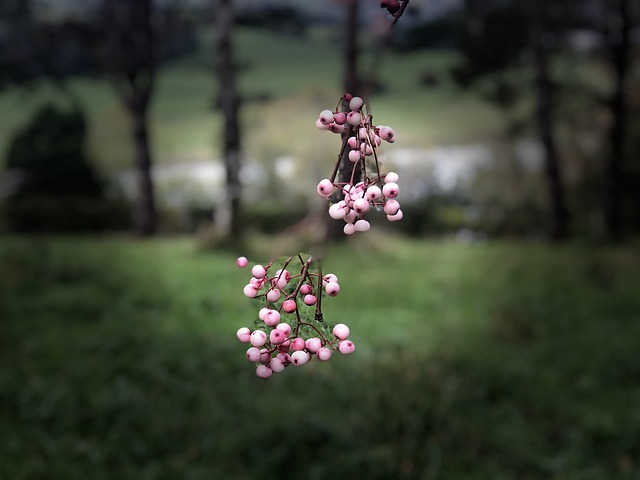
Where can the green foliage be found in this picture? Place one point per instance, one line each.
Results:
(118, 359)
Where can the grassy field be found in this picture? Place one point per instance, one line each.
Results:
(118, 359)
(294, 77)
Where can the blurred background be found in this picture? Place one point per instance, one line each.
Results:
(145, 144)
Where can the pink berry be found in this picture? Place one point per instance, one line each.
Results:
(253, 354)
(276, 365)
(354, 118)
(373, 193)
(273, 295)
(329, 277)
(258, 338)
(289, 306)
(391, 177)
(353, 143)
(396, 217)
(262, 313)
(242, 262)
(337, 211)
(324, 354)
(310, 299)
(350, 217)
(284, 327)
(313, 344)
(258, 271)
(341, 331)
(391, 207)
(243, 334)
(282, 278)
(366, 149)
(284, 346)
(361, 206)
(355, 193)
(386, 133)
(257, 283)
(335, 128)
(326, 117)
(277, 336)
(346, 347)
(306, 289)
(263, 371)
(284, 357)
(321, 126)
(392, 6)
(284, 274)
(297, 344)
(265, 356)
(250, 291)
(362, 225)
(340, 118)
(354, 155)
(349, 229)
(347, 97)
(272, 318)
(325, 187)
(332, 289)
(391, 190)
(356, 103)
(300, 357)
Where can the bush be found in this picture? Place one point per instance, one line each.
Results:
(57, 188)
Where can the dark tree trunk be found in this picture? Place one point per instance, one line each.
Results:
(352, 84)
(145, 211)
(544, 121)
(229, 105)
(619, 40)
(351, 51)
(129, 57)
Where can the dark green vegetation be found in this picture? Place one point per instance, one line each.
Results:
(118, 359)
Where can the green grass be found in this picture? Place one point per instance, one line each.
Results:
(298, 76)
(118, 359)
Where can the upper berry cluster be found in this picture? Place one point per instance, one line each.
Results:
(366, 187)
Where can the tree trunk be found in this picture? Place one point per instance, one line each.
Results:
(129, 55)
(351, 76)
(352, 85)
(544, 121)
(620, 48)
(229, 219)
(144, 220)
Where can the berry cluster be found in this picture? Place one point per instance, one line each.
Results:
(365, 187)
(290, 328)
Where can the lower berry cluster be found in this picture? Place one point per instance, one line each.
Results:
(290, 328)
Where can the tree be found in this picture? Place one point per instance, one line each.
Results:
(129, 58)
(229, 218)
(500, 37)
(15, 52)
(32, 49)
(352, 80)
(544, 91)
(619, 41)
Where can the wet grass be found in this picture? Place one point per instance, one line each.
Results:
(118, 359)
